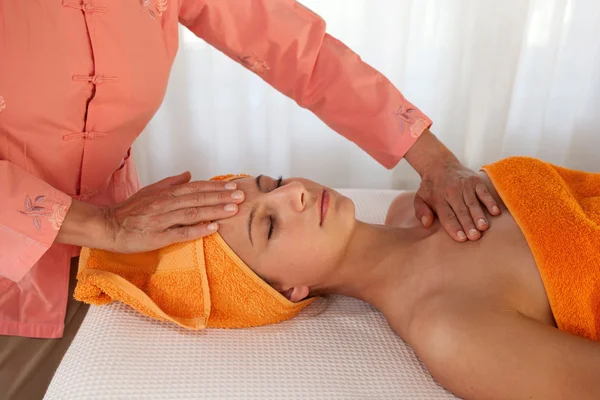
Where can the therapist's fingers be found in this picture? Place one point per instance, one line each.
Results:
(139, 223)
(487, 199)
(170, 203)
(475, 207)
(202, 186)
(423, 212)
(457, 202)
(187, 233)
(195, 215)
(450, 222)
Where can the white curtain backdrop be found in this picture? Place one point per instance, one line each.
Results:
(498, 78)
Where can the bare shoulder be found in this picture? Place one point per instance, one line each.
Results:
(492, 351)
(401, 212)
(447, 336)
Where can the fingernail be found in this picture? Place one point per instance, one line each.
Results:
(424, 221)
(230, 207)
(238, 194)
(230, 186)
(495, 209)
(473, 232)
(212, 227)
(461, 235)
(482, 222)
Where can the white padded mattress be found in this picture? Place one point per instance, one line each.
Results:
(344, 350)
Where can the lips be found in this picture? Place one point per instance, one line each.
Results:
(324, 205)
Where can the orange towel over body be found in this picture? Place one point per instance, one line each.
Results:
(197, 284)
(558, 211)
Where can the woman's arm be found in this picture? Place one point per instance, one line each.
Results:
(505, 355)
(31, 213)
(286, 44)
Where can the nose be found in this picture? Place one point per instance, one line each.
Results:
(293, 193)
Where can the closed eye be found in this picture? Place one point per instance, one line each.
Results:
(279, 180)
(271, 226)
(272, 220)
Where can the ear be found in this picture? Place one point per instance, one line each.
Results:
(296, 294)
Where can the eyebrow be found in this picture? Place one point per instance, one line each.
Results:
(253, 212)
(257, 180)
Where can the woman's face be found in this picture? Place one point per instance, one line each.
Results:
(291, 232)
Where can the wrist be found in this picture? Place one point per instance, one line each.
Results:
(428, 154)
(86, 225)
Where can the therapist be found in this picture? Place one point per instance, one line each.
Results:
(79, 81)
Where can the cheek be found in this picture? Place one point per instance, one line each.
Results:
(301, 261)
(302, 254)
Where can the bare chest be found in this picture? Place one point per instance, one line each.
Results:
(497, 272)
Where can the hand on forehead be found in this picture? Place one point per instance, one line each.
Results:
(252, 188)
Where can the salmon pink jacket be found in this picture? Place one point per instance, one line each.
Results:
(79, 81)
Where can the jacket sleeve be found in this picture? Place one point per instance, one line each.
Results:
(285, 43)
(31, 214)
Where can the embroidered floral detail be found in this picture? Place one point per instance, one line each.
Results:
(36, 210)
(418, 128)
(408, 116)
(255, 64)
(155, 8)
(2, 104)
(59, 212)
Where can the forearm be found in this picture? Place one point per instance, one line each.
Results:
(286, 44)
(85, 225)
(428, 153)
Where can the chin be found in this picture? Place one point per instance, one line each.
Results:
(346, 208)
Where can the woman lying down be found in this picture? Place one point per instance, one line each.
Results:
(515, 315)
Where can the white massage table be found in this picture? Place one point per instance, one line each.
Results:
(345, 351)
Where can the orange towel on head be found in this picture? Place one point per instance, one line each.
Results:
(196, 285)
(558, 211)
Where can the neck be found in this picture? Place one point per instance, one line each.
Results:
(379, 262)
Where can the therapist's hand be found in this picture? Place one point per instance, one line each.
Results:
(449, 190)
(170, 211)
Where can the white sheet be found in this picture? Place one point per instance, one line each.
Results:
(345, 352)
